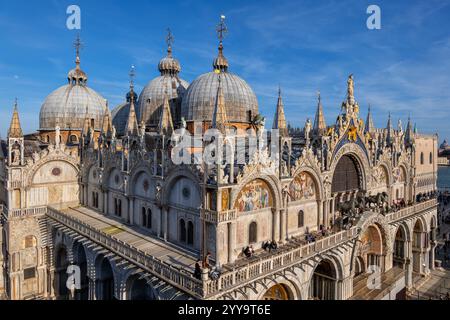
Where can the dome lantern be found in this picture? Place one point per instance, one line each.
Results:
(77, 76)
(169, 65)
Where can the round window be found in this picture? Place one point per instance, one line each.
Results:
(56, 171)
(186, 193)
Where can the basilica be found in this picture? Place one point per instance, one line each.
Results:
(93, 206)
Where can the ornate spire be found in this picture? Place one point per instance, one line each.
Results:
(319, 122)
(107, 121)
(221, 63)
(279, 122)
(219, 120)
(132, 127)
(369, 122)
(409, 135)
(15, 130)
(165, 121)
(390, 131)
(87, 122)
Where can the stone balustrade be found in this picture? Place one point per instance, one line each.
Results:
(411, 210)
(217, 217)
(22, 213)
(277, 261)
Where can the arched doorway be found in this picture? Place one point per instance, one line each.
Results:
(278, 292)
(347, 176)
(81, 262)
(323, 283)
(400, 249)
(360, 266)
(371, 247)
(139, 289)
(105, 280)
(419, 246)
(62, 292)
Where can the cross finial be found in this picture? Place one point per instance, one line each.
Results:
(222, 29)
(132, 77)
(15, 103)
(169, 39)
(78, 45)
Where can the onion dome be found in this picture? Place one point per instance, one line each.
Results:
(70, 105)
(199, 101)
(151, 100)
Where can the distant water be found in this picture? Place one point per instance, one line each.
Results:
(443, 177)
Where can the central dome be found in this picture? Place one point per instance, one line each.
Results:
(152, 97)
(199, 101)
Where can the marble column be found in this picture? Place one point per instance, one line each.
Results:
(105, 202)
(231, 241)
(275, 225)
(283, 222)
(92, 295)
(131, 210)
(165, 222)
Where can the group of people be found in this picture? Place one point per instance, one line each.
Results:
(270, 245)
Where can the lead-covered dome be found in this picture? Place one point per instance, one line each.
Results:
(68, 106)
(199, 101)
(151, 100)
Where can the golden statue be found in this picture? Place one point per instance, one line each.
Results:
(351, 86)
(352, 133)
(330, 131)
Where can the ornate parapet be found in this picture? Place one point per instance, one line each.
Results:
(217, 217)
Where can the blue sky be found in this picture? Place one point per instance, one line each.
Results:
(304, 46)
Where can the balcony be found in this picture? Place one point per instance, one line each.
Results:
(217, 217)
(23, 213)
(411, 210)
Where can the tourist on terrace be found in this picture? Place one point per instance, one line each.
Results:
(198, 269)
(274, 245)
(267, 246)
(249, 251)
(206, 263)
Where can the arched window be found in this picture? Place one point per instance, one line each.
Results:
(431, 158)
(253, 233)
(301, 219)
(190, 233)
(144, 217)
(149, 219)
(398, 194)
(182, 231)
(421, 158)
